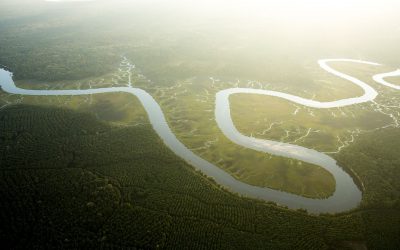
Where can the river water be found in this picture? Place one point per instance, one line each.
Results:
(346, 196)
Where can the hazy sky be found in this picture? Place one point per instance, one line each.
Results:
(338, 27)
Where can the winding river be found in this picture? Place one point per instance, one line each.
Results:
(346, 195)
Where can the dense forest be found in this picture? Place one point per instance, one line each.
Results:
(68, 180)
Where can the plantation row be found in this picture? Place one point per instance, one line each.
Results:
(111, 187)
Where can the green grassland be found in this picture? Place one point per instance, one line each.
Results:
(324, 130)
(189, 108)
(328, 130)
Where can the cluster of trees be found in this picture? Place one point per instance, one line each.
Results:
(49, 50)
(68, 180)
(375, 159)
(56, 63)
